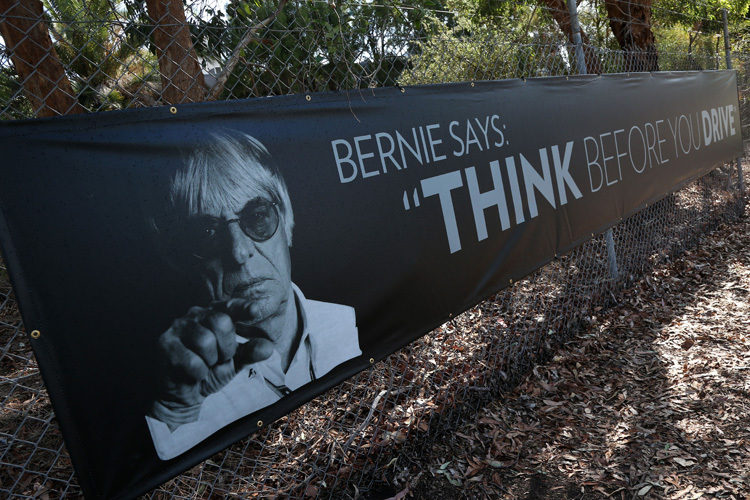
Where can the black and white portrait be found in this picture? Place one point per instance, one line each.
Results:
(227, 224)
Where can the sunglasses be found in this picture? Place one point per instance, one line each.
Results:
(258, 220)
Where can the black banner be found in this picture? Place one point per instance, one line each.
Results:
(197, 272)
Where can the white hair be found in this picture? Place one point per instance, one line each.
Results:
(228, 170)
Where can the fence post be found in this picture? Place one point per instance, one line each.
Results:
(612, 256)
(726, 38)
(740, 180)
(576, 29)
(582, 70)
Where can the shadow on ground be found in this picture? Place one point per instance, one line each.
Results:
(650, 401)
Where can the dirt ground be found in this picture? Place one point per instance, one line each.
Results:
(652, 401)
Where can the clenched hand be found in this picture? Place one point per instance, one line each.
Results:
(201, 355)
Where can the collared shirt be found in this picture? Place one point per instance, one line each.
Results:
(329, 337)
(301, 370)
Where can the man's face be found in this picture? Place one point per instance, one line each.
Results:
(245, 255)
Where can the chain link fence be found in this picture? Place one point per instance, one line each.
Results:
(372, 429)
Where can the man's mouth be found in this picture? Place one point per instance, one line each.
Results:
(249, 289)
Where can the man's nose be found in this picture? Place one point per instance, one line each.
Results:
(241, 247)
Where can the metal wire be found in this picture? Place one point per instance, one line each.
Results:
(373, 427)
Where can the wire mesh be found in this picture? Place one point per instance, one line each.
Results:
(371, 429)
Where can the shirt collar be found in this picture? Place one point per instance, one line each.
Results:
(299, 372)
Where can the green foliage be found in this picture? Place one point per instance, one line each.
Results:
(487, 41)
(702, 14)
(592, 16)
(689, 34)
(681, 50)
(90, 42)
(12, 98)
(313, 45)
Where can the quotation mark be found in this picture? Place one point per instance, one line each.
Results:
(415, 197)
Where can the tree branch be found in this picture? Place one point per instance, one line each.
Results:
(218, 86)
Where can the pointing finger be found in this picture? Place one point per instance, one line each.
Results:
(252, 351)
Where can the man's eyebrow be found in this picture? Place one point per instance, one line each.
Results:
(254, 199)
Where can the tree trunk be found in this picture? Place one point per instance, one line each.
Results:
(559, 11)
(35, 59)
(181, 75)
(630, 21)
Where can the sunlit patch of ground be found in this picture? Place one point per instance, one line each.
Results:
(651, 402)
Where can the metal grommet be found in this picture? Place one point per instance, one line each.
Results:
(173, 110)
(511, 281)
(36, 334)
(372, 361)
(260, 423)
(592, 235)
(472, 84)
(308, 98)
(403, 89)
